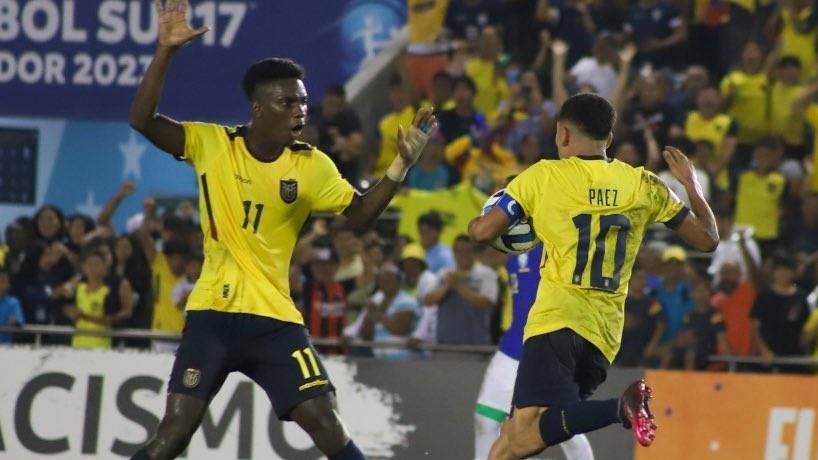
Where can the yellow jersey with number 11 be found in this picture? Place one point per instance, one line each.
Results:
(251, 214)
(591, 215)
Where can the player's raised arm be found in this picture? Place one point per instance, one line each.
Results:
(174, 31)
(698, 228)
(366, 207)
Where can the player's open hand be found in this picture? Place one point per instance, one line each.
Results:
(174, 31)
(680, 166)
(411, 143)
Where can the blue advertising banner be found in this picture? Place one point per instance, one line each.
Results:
(84, 58)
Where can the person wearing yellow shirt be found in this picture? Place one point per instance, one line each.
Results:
(707, 124)
(485, 71)
(785, 91)
(401, 115)
(744, 90)
(88, 311)
(258, 184)
(759, 194)
(426, 52)
(797, 26)
(442, 92)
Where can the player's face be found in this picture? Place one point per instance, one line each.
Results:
(280, 108)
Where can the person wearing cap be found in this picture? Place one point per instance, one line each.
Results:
(419, 281)
(673, 292)
(438, 255)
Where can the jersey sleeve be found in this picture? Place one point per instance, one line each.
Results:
(334, 193)
(525, 188)
(665, 206)
(199, 139)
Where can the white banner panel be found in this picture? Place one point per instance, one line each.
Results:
(60, 403)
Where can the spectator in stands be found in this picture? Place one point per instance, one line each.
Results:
(131, 264)
(658, 29)
(463, 119)
(438, 256)
(674, 292)
(644, 324)
(780, 313)
(805, 241)
(597, 70)
(785, 122)
(485, 71)
(167, 268)
(79, 226)
(442, 95)
(759, 193)
(14, 252)
(526, 114)
(11, 313)
(707, 124)
(325, 305)
(431, 172)
(571, 21)
(745, 96)
(183, 287)
(648, 111)
(391, 314)
(465, 295)
(466, 18)
(796, 23)
(339, 132)
(402, 113)
(736, 293)
(119, 304)
(729, 249)
(350, 260)
(704, 331)
(88, 309)
(684, 98)
(426, 51)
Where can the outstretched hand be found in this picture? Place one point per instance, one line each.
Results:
(411, 144)
(174, 30)
(680, 166)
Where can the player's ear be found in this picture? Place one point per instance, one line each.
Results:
(610, 140)
(256, 108)
(565, 135)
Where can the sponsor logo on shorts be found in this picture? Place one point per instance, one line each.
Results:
(315, 383)
(191, 377)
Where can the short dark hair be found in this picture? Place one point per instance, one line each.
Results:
(337, 90)
(783, 260)
(267, 70)
(591, 113)
(443, 75)
(789, 61)
(87, 253)
(466, 80)
(463, 238)
(176, 246)
(431, 219)
(770, 142)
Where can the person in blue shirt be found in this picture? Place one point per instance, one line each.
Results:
(674, 292)
(438, 255)
(11, 313)
(494, 401)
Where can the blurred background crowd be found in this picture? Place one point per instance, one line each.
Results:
(731, 83)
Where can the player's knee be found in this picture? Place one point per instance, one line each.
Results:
(317, 417)
(523, 434)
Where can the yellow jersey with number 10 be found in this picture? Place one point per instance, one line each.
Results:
(251, 214)
(591, 215)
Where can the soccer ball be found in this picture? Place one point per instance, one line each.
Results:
(519, 237)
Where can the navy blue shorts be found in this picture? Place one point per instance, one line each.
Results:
(277, 355)
(559, 367)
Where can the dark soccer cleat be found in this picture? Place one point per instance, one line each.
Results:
(635, 413)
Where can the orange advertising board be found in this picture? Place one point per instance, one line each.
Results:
(732, 416)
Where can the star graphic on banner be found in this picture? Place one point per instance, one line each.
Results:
(132, 153)
(90, 207)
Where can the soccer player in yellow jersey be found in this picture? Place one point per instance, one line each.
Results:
(591, 213)
(257, 187)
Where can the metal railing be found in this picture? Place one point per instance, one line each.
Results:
(38, 331)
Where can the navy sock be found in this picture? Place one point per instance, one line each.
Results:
(141, 454)
(349, 452)
(561, 422)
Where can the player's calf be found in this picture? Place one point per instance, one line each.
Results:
(183, 415)
(523, 435)
(318, 418)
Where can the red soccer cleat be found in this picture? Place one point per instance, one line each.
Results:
(635, 413)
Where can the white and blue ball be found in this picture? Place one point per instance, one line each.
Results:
(518, 238)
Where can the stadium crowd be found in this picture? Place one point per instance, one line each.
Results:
(731, 83)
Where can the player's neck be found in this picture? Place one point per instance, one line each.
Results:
(262, 148)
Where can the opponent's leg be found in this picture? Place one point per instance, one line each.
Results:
(319, 418)
(493, 402)
(183, 414)
(577, 448)
(486, 429)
